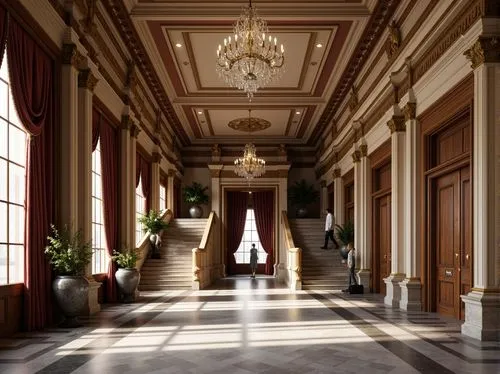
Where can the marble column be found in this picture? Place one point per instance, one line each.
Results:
(358, 238)
(215, 193)
(365, 190)
(411, 286)
(68, 175)
(86, 85)
(482, 304)
(126, 212)
(338, 196)
(323, 198)
(393, 290)
(281, 256)
(155, 181)
(170, 191)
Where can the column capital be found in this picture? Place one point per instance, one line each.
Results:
(215, 173)
(171, 173)
(322, 183)
(71, 55)
(157, 157)
(126, 122)
(86, 79)
(410, 111)
(134, 130)
(336, 173)
(485, 49)
(396, 124)
(363, 149)
(356, 156)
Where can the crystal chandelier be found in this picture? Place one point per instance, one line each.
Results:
(249, 166)
(250, 58)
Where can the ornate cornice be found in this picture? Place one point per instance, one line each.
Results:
(71, 55)
(381, 16)
(396, 124)
(336, 173)
(410, 111)
(363, 149)
(485, 49)
(356, 156)
(86, 79)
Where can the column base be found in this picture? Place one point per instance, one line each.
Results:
(93, 305)
(364, 278)
(482, 313)
(410, 294)
(393, 290)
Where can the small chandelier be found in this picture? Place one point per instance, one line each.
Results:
(250, 59)
(249, 166)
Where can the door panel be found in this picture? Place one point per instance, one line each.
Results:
(382, 238)
(447, 242)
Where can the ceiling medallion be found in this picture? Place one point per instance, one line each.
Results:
(249, 166)
(249, 124)
(250, 58)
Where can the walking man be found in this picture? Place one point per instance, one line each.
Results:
(329, 225)
(253, 260)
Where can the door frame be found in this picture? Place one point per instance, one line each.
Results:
(375, 248)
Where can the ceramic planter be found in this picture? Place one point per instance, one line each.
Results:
(195, 211)
(71, 293)
(127, 281)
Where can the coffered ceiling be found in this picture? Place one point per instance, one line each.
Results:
(320, 37)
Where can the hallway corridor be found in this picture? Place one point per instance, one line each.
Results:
(252, 326)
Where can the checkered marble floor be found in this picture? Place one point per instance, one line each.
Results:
(246, 325)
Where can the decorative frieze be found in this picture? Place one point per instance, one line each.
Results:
(396, 124)
(393, 41)
(86, 79)
(410, 111)
(353, 99)
(88, 22)
(485, 49)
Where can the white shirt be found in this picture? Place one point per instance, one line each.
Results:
(329, 222)
(350, 258)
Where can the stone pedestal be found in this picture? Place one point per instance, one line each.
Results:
(410, 294)
(482, 315)
(93, 305)
(393, 289)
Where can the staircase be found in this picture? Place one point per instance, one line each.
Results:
(174, 269)
(321, 269)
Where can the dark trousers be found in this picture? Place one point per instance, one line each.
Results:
(352, 276)
(329, 235)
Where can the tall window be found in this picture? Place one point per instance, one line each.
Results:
(12, 185)
(99, 257)
(163, 197)
(250, 236)
(140, 209)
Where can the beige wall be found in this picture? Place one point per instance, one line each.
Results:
(200, 175)
(296, 174)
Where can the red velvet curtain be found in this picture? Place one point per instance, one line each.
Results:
(109, 162)
(32, 83)
(96, 127)
(263, 206)
(237, 204)
(4, 28)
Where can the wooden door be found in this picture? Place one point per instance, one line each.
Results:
(382, 241)
(452, 238)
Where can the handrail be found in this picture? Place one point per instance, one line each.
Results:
(204, 256)
(294, 255)
(143, 246)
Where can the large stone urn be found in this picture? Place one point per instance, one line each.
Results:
(195, 211)
(344, 251)
(127, 281)
(71, 293)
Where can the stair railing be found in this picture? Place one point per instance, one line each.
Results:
(294, 255)
(204, 256)
(145, 244)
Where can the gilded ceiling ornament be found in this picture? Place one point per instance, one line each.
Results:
(249, 124)
(396, 124)
(393, 39)
(485, 49)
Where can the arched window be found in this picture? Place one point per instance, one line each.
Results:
(12, 185)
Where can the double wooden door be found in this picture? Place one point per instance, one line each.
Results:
(382, 241)
(451, 239)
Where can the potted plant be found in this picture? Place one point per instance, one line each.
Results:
(345, 234)
(300, 195)
(195, 195)
(127, 276)
(153, 223)
(69, 256)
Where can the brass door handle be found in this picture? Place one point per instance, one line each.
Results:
(456, 255)
(467, 256)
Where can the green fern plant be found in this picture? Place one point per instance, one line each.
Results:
(195, 194)
(152, 222)
(345, 233)
(126, 258)
(302, 193)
